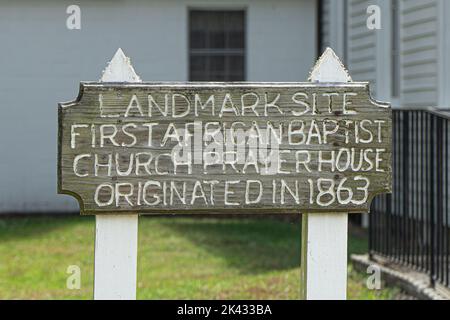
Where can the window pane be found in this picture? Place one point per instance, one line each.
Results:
(217, 63)
(198, 68)
(217, 45)
(236, 63)
(235, 39)
(198, 39)
(236, 68)
(235, 33)
(197, 32)
(217, 30)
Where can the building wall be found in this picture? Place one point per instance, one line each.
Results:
(42, 63)
(361, 44)
(423, 40)
(419, 52)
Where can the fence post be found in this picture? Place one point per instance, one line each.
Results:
(324, 236)
(116, 235)
(431, 198)
(439, 197)
(406, 253)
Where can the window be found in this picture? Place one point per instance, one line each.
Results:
(216, 45)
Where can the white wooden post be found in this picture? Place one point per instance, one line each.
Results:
(324, 236)
(116, 235)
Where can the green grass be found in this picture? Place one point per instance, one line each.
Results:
(179, 258)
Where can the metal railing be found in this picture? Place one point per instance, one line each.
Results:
(411, 226)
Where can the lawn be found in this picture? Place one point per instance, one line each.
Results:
(179, 258)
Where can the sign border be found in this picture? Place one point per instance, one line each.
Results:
(212, 210)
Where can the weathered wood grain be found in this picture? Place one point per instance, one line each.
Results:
(126, 108)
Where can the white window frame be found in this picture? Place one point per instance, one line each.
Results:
(384, 39)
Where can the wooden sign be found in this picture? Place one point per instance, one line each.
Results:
(224, 147)
(321, 148)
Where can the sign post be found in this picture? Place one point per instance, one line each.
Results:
(324, 236)
(320, 148)
(116, 236)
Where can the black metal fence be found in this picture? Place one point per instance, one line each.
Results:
(411, 226)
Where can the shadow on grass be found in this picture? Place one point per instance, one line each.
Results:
(33, 227)
(251, 245)
(358, 243)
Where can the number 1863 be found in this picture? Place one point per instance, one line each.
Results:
(325, 192)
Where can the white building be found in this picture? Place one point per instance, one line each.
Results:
(407, 60)
(42, 63)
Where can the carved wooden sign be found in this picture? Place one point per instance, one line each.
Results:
(218, 147)
(224, 147)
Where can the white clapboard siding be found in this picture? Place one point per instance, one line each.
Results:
(361, 44)
(419, 52)
(325, 24)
